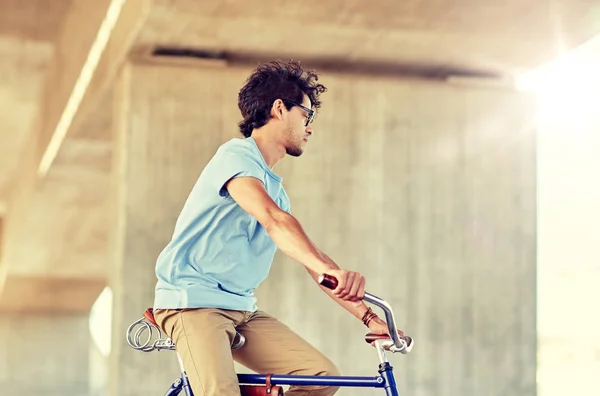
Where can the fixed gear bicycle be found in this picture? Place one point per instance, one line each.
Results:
(383, 343)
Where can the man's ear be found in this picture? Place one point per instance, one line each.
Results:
(277, 109)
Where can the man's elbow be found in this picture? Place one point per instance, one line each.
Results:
(276, 219)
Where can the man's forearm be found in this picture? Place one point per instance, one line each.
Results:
(290, 238)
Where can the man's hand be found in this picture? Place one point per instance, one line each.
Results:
(351, 285)
(378, 326)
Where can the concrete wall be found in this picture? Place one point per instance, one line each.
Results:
(44, 355)
(427, 189)
(169, 122)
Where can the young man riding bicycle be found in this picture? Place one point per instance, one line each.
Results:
(235, 218)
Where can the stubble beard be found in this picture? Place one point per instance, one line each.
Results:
(292, 148)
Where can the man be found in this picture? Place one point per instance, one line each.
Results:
(226, 236)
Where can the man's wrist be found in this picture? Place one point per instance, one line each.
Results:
(318, 265)
(361, 309)
(368, 316)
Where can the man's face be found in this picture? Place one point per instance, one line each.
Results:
(297, 132)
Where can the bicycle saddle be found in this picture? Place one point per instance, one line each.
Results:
(238, 340)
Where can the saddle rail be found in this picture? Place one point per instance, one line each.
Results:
(153, 341)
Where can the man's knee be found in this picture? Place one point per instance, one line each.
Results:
(324, 367)
(327, 368)
(330, 370)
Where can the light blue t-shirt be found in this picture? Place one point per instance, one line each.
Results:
(219, 254)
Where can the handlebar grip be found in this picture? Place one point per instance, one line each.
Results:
(369, 338)
(328, 281)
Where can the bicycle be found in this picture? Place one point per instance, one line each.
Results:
(382, 343)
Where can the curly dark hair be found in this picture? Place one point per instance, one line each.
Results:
(271, 81)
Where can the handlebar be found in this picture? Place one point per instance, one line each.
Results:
(401, 344)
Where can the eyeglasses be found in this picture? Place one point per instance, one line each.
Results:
(310, 114)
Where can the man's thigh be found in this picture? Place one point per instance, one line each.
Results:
(203, 339)
(272, 347)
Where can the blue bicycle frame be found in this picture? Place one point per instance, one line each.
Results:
(385, 380)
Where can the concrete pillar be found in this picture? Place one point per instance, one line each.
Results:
(44, 355)
(170, 121)
(428, 189)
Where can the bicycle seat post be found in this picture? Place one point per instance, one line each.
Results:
(180, 361)
(379, 345)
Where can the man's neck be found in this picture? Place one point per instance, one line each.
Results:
(271, 149)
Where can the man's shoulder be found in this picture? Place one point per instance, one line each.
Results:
(236, 146)
(239, 150)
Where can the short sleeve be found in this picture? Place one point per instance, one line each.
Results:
(232, 164)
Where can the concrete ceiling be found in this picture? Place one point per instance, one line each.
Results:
(32, 20)
(22, 71)
(43, 46)
(28, 30)
(457, 35)
(433, 36)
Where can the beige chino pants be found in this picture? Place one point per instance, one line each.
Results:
(203, 339)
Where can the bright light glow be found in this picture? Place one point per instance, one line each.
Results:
(568, 86)
(568, 215)
(87, 72)
(100, 321)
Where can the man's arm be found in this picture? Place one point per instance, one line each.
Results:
(290, 238)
